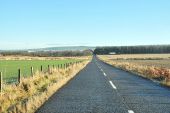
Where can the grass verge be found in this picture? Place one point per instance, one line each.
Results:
(32, 92)
(158, 74)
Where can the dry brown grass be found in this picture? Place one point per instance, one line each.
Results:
(136, 56)
(33, 91)
(161, 63)
(152, 70)
(40, 58)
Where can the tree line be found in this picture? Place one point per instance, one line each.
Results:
(133, 49)
(47, 53)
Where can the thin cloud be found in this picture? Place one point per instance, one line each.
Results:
(67, 44)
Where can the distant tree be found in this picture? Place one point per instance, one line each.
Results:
(133, 49)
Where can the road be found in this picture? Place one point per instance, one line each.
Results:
(100, 88)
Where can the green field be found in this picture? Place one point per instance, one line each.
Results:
(9, 68)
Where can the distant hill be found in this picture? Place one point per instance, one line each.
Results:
(65, 48)
(51, 51)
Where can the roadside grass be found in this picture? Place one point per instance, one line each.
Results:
(32, 92)
(148, 67)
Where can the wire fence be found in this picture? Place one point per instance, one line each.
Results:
(17, 76)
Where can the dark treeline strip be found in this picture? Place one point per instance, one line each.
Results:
(47, 53)
(133, 49)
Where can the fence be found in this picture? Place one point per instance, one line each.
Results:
(19, 77)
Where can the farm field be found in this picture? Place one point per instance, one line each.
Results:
(137, 56)
(158, 60)
(164, 63)
(9, 68)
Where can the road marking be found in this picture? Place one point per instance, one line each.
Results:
(130, 111)
(111, 83)
(104, 74)
(99, 67)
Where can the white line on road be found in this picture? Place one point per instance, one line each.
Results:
(130, 111)
(104, 74)
(112, 85)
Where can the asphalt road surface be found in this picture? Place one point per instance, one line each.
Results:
(100, 88)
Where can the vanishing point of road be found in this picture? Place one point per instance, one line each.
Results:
(101, 88)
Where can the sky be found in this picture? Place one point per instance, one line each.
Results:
(46, 23)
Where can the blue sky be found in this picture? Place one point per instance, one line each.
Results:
(44, 23)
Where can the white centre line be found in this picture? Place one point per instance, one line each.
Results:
(130, 111)
(104, 74)
(111, 83)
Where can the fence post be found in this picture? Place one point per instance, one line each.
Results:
(64, 66)
(49, 68)
(0, 82)
(19, 76)
(32, 71)
(41, 68)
